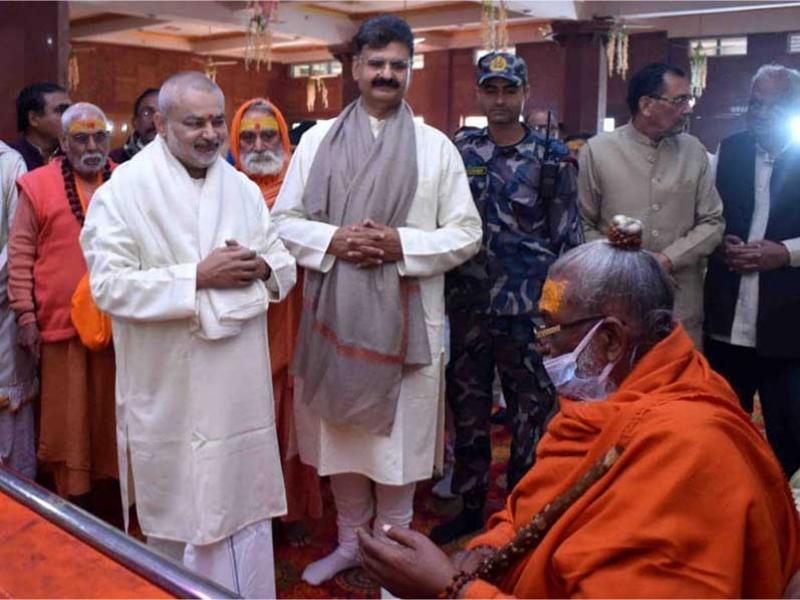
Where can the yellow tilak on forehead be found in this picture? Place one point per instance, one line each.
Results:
(260, 123)
(552, 296)
(87, 126)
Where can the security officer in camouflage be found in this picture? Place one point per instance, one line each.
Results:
(492, 299)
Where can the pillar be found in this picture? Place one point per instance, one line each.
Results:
(344, 54)
(585, 74)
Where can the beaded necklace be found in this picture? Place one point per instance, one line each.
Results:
(499, 561)
(77, 202)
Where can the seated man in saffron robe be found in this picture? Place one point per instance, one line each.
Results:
(650, 482)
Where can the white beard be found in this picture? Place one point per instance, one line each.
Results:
(266, 163)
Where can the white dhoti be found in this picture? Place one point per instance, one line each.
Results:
(405, 456)
(17, 450)
(243, 562)
(18, 380)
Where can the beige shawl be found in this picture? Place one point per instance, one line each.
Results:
(361, 327)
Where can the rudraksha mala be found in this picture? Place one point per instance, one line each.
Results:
(494, 566)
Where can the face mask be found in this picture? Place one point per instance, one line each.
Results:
(562, 371)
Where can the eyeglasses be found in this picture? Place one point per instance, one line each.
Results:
(99, 137)
(380, 63)
(679, 101)
(544, 331)
(250, 137)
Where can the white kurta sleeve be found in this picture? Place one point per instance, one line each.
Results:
(12, 167)
(458, 234)
(307, 240)
(119, 285)
(274, 253)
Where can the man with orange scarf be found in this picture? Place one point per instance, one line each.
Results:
(651, 482)
(261, 149)
(77, 438)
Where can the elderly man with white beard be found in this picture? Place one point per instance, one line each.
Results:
(261, 149)
(183, 257)
(76, 429)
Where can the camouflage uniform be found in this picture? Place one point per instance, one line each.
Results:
(492, 301)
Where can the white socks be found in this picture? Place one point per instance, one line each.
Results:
(326, 568)
(354, 509)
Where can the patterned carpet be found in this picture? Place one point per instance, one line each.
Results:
(428, 511)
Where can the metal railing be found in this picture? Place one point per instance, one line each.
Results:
(125, 550)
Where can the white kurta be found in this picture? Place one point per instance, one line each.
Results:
(196, 414)
(443, 230)
(18, 382)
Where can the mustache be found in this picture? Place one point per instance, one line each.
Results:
(91, 156)
(266, 155)
(381, 82)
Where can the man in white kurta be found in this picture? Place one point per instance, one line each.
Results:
(441, 230)
(183, 257)
(18, 382)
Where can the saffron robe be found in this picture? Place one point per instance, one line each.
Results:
(696, 506)
(303, 493)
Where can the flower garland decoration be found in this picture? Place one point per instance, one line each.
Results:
(617, 51)
(699, 70)
(494, 24)
(73, 71)
(258, 40)
(316, 85)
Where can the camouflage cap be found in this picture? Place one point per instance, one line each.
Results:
(504, 65)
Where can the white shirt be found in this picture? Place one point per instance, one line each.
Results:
(743, 330)
(443, 229)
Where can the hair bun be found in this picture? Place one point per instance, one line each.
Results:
(625, 233)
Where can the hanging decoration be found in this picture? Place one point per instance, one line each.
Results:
(311, 94)
(699, 70)
(73, 70)
(494, 24)
(211, 66)
(258, 40)
(316, 86)
(617, 51)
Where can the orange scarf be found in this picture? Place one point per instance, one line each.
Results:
(696, 506)
(284, 317)
(92, 325)
(270, 184)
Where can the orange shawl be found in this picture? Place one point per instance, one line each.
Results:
(284, 318)
(303, 496)
(696, 506)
